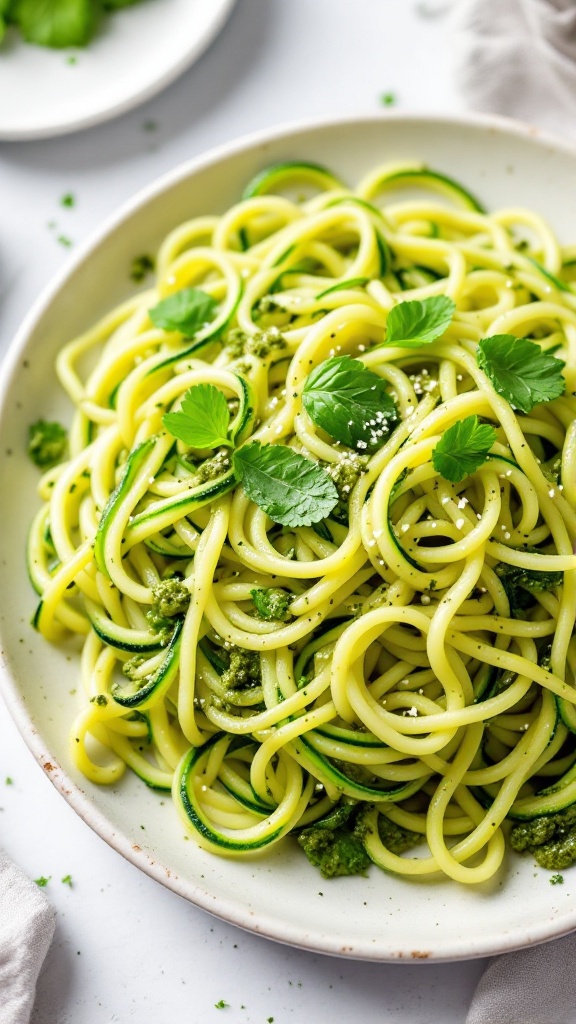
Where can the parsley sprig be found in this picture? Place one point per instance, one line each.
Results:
(419, 322)
(520, 371)
(186, 311)
(463, 448)
(349, 402)
(203, 419)
(291, 489)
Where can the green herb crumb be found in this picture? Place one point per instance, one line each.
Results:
(47, 443)
(557, 880)
(141, 266)
(42, 882)
(68, 200)
(67, 880)
(221, 1004)
(272, 603)
(9, 781)
(388, 99)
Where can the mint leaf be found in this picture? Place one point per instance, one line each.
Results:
(186, 311)
(520, 371)
(57, 24)
(463, 448)
(349, 402)
(411, 324)
(203, 420)
(292, 490)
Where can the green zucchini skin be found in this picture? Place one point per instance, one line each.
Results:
(194, 816)
(160, 681)
(271, 177)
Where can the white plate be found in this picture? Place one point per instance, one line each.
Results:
(376, 918)
(137, 52)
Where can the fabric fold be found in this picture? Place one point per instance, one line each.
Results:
(518, 58)
(27, 922)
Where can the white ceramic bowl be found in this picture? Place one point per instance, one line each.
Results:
(135, 54)
(375, 918)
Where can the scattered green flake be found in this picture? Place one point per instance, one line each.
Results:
(66, 242)
(68, 200)
(72, 61)
(9, 781)
(42, 882)
(67, 880)
(388, 99)
(141, 266)
(221, 1004)
(557, 880)
(47, 443)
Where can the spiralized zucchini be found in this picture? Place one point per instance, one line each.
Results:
(400, 676)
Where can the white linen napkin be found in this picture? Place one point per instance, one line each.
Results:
(518, 57)
(533, 986)
(26, 929)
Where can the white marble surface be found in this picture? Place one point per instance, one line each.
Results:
(125, 949)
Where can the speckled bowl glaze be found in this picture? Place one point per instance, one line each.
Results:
(374, 918)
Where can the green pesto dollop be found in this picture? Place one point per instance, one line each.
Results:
(272, 603)
(395, 838)
(170, 598)
(550, 838)
(335, 843)
(213, 468)
(261, 344)
(47, 442)
(346, 472)
(243, 670)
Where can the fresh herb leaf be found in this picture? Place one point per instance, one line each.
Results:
(292, 490)
(557, 880)
(419, 322)
(42, 882)
(203, 420)
(349, 402)
(520, 372)
(221, 1004)
(67, 880)
(463, 448)
(186, 311)
(66, 23)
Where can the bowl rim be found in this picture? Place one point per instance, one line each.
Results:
(259, 923)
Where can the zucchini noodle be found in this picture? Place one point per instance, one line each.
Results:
(399, 674)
